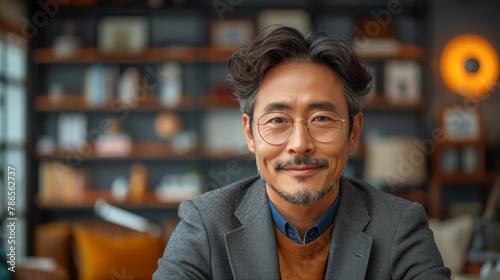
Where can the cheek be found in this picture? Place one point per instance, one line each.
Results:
(337, 156)
(266, 155)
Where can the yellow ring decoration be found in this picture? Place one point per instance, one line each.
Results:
(452, 65)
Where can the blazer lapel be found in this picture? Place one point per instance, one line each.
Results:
(252, 247)
(350, 246)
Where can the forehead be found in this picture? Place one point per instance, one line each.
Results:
(300, 86)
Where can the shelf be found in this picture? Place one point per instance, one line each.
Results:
(413, 52)
(142, 151)
(219, 102)
(439, 181)
(8, 28)
(77, 102)
(493, 144)
(213, 54)
(461, 143)
(89, 198)
(379, 102)
(107, 8)
(149, 55)
(200, 7)
(485, 179)
(182, 54)
(94, 55)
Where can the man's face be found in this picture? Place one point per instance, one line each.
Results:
(310, 167)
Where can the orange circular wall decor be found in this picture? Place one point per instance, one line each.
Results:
(469, 65)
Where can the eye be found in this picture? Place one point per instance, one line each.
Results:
(277, 121)
(321, 119)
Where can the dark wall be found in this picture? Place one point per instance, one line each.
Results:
(447, 19)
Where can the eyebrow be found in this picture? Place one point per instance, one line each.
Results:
(323, 106)
(276, 106)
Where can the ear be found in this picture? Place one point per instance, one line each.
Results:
(356, 132)
(248, 135)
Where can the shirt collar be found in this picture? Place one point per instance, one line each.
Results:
(311, 234)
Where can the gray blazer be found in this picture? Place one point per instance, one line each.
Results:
(228, 234)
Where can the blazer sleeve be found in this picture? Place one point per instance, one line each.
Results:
(414, 253)
(187, 254)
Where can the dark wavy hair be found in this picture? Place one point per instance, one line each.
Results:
(275, 46)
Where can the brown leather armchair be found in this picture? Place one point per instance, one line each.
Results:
(94, 249)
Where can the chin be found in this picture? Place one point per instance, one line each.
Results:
(303, 195)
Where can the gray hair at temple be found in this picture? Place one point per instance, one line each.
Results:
(275, 46)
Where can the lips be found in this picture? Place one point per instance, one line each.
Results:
(301, 170)
(301, 166)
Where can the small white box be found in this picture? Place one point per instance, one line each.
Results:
(402, 81)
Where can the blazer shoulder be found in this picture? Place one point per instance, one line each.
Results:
(376, 199)
(225, 197)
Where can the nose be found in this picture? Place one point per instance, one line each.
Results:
(300, 143)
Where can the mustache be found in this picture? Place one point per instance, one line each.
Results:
(301, 160)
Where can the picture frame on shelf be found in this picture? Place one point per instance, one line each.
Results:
(231, 33)
(402, 82)
(127, 34)
(461, 123)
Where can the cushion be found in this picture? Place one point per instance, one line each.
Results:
(452, 238)
(115, 255)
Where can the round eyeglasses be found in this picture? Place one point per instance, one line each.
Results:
(276, 128)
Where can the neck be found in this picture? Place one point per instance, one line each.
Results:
(303, 217)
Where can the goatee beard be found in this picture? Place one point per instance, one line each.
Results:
(302, 196)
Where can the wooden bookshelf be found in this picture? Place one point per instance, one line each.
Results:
(140, 150)
(89, 197)
(219, 101)
(77, 102)
(456, 180)
(379, 102)
(460, 179)
(183, 54)
(143, 151)
(412, 52)
(7, 27)
(214, 54)
(149, 55)
(201, 65)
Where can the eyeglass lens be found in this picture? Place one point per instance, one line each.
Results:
(323, 126)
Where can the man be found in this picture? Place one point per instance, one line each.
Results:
(301, 100)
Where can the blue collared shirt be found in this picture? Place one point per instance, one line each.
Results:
(311, 234)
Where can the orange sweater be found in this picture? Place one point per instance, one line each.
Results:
(298, 261)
